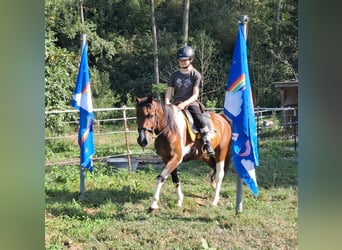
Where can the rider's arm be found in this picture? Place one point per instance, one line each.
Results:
(168, 95)
(190, 100)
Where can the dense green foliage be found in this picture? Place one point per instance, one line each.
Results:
(121, 55)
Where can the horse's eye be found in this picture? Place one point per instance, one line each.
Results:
(149, 116)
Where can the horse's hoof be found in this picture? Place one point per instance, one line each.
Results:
(152, 211)
(214, 204)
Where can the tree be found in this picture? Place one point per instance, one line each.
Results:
(278, 16)
(209, 66)
(186, 21)
(122, 47)
(60, 67)
(155, 44)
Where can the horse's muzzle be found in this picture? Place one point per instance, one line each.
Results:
(142, 139)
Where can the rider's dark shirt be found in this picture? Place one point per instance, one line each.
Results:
(183, 84)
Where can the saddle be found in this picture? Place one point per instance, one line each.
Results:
(191, 126)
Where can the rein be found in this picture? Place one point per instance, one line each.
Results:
(152, 130)
(157, 122)
(160, 132)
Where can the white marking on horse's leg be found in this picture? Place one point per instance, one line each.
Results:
(179, 118)
(179, 195)
(156, 195)
(219, 178)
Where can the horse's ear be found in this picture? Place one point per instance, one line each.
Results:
(150, 98)
(137, 99)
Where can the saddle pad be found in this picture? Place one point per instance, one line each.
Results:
(193, 134)
(192, 129)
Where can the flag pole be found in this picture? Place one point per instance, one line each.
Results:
(82, 101)
(83, 40)
(82, 185)
(243, 19)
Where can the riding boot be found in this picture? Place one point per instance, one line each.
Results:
(207, 145)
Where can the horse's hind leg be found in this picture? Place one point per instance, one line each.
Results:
(218, 179)
(216, 176)
(175, 181)
(212, 163)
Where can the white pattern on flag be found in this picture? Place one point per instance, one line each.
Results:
(233, 102)
(249, 166)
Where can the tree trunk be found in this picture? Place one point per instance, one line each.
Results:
(155, 45)
(186, 21)
(278, 16)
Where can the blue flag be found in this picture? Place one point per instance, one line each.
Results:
(239, 107)
(82, 101)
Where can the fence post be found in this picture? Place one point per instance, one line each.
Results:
(295, 124)
(126, 139)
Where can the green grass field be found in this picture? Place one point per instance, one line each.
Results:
(113, 213)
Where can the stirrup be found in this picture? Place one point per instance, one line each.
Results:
(209, 149)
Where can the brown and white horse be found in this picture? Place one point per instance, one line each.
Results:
(173, 142)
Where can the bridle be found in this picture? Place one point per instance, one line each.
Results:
(146, 129)
(155, 124)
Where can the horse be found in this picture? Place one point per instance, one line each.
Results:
(174, 143)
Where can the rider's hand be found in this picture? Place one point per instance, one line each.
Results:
(180, 106)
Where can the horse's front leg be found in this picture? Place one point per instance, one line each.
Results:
(156, 195)
(169, 168)
(176, 182)
(218, 179)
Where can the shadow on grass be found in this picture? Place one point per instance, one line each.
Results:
(97, 197)
(275, 173)
(92, 199)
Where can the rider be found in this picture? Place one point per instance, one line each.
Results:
(185, 84)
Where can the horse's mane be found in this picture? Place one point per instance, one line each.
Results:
(169, 116)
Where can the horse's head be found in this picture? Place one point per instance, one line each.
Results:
(146, 118)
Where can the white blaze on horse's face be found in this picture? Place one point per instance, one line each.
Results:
(145, 126)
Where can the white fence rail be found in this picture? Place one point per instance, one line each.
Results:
(271, 123)
(97, 122)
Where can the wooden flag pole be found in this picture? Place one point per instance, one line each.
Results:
(243, 19)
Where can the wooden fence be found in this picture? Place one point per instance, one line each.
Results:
(272, 123)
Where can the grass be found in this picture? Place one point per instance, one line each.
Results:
(113, 213)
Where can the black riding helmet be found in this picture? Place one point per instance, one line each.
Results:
(185, 52)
